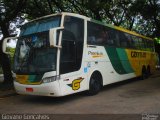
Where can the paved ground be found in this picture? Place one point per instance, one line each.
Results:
(129, 97)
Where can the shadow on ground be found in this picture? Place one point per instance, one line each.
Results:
(60, 100)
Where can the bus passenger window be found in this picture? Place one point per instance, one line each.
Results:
(103, 37)
(97, 34)
(150, 45)
(141, 43)
(123, 40)
(129, 40)
(113, 38)
(91, 39)
(136, 44)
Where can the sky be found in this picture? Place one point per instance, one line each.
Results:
(12, 43)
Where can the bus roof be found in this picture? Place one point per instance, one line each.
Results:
(62, 13)
(95, 21)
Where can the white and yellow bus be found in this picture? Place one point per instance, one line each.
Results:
(66, 53)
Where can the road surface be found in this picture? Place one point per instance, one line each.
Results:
(128, 97)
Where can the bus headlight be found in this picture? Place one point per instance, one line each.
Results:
(49, 79)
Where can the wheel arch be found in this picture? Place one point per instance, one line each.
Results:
(143, 68)
(149, 68)
(98, 75)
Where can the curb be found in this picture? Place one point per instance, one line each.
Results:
(7, 93)
(7, 90)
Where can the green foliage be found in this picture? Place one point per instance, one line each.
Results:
(137, 15)
(11, 51)
(11, 54)
(142, 16)
(157, 40)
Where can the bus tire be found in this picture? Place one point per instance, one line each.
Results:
(148, 71)
(144, 73)
(95, 84)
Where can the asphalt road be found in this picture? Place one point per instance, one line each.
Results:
(128, 97)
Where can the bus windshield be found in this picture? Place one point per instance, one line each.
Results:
(40, 25)
(33, 54)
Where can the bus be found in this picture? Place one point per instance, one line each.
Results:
(66, 53)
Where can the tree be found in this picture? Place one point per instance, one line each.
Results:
(9, 10)
(147, 16)
(142, 16)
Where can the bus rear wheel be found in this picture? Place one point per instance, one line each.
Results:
(148, 71)
(144, 73)
(95, 84)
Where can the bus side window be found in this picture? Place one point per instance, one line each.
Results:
(151, 45)
(113, 34)
(129, 40)
(142, 44)
(136, 44)
(111, 40)
(92, 30)
(97, 34)
(148, 45)
(90, 38)
(123, 40)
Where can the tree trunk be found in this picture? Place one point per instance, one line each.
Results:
(4, 59)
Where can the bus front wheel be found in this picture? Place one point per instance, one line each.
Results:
(95, 84)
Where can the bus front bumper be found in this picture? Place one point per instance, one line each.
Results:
(44, 89)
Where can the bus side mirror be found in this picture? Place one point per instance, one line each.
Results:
(55, 35)
(4, 45)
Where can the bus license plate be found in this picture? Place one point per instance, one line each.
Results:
(29, 89)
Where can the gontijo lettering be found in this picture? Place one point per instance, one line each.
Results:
(135, 54)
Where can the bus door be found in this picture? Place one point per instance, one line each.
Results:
(72, 78)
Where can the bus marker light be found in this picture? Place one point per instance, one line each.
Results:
(66, 80)
(51, 93)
